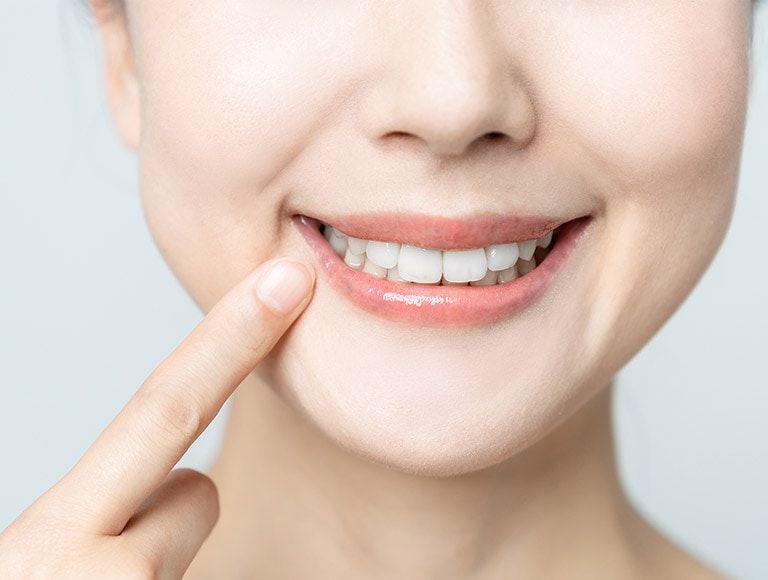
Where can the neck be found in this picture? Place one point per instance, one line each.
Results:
(294, 504)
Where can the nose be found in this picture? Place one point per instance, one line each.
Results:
(448, 82)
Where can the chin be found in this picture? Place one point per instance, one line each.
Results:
(422, 400)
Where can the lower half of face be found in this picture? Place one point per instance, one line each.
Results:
(630, 114)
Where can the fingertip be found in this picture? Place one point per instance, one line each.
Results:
(285, 284)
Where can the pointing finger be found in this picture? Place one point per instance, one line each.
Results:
(178, 400)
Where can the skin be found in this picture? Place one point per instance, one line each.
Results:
(363, 448)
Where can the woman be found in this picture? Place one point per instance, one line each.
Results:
(427, 235)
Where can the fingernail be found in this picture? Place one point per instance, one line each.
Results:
(284, 285)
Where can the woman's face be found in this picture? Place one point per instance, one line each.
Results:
(251, 111)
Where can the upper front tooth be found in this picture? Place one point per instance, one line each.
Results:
(527, 248)
(502, 256)
(383, 254)
(420, 264)
(544, 240)
(464, 265)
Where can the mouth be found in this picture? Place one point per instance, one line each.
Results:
(433, 271)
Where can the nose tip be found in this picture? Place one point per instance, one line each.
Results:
(451, 88)
(450, 129)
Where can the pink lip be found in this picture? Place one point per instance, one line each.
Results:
(436, 305)
(443, 233)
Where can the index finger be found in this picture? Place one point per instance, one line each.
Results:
(178, 400)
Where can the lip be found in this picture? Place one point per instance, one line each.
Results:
(441, 232)
(437, 305)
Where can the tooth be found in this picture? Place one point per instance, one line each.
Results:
(357, 245)
(354, 261)
(339, 244)
(327, 232)
(383, 254)
(525, 266)
(394, 276)
(371, 268)
(527, 248)
(420, 264)
(544, 240)
(508, 274)
(464, 265)
(487, 280)
(445, 282)
(502, 256)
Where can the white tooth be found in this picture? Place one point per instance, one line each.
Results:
(464, 265)
(445, 282)
(527, 248)
(501, 256)
(357, 245)
(328, 232)
(420, 264)
(525, 266)
(487, 280)
(508, 274)
(339, 244)
(337, 233)
(383, 254)
(394, 276)
(354, 261)
(544, 240)
(371, 268)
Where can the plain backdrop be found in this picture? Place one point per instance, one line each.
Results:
(88, 308)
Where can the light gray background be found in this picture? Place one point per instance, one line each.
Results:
(88, 309)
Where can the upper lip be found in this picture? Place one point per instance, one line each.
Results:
(444, 233)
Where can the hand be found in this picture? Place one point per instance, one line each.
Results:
(118, 513)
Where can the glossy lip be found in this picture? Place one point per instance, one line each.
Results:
(437, 305)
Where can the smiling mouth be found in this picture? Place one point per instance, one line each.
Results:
(406, 263)
(434, 271)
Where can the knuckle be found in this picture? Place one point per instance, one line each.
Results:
(178, 416)
(201, 486)
(190, 476)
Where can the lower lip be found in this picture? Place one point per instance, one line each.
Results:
(437, 305)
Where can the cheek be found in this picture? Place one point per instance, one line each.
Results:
(654, 107)
(213, 139)
(227, 93)
(653, 95)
